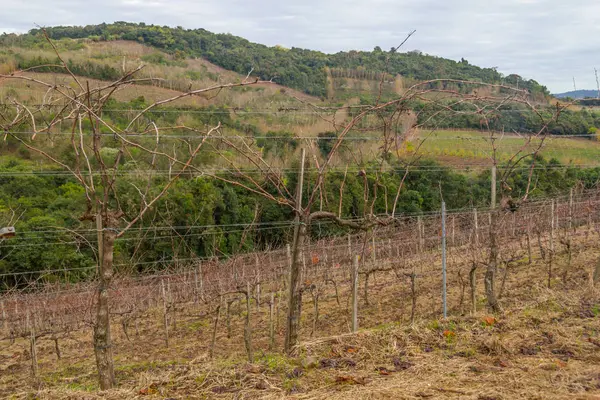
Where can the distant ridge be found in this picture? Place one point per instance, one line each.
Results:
(578, 94)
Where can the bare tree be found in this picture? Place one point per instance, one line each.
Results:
(309, 202)
(532, 145)
(96, 150)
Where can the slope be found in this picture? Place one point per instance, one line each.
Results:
(543, 345)
(296, 68)
(261, 109)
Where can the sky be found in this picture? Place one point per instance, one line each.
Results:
(551, 41)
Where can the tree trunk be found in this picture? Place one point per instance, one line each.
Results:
(489, 280)
(473, 284)
(569, 257)
(413, 295)
(228, 318)
(462, 292)
(596, 276)
(295, 277)
(355, 294)
(56, 348)
(529, 251)
(271, 323)
(366, 288)
(337, 296)
(248, 326)
(102, 340)
(213, 341)
(315, 296)
(33, 348)
(165, 313)
(295, 292)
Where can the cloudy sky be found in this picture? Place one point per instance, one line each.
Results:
(551, 41)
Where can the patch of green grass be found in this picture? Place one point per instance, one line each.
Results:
(473, 145)
(74, 377)
(82, 387)
(200, 379)
(434, 325)
(276, 363)
(290, 385)
(74, 369)
(229, 363)
(195, 326)
(466, 353)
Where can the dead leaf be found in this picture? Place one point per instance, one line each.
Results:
(560, 364)
(359, 380)
(148, 391)
(448, 333)
(383, 371)
(594, 341)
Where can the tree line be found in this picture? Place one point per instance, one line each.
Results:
(508, 118)
(50, 205)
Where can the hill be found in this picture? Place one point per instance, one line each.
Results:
(578, 94)
(352, 78)
(301, 69)
(171, 221)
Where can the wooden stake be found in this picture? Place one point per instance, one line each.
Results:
(476, 236)
(32, 348)
(211, 352)
(271, 323)
(349, 245)
(413, 294)
(201, 280)
(4, 319)
(165, 315)
(493, 188)
(248, 327)
(355, 294)
(373, 255)
(196, 291)
(571, 209)
(529, 256)
(552, 227)
(420, 229)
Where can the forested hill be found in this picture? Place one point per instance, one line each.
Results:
(297, 68)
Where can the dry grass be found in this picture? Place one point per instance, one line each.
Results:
(176, 74)
(544, 345)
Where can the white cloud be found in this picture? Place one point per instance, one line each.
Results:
(547, 40)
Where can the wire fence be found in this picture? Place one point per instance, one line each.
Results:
(410, 248)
